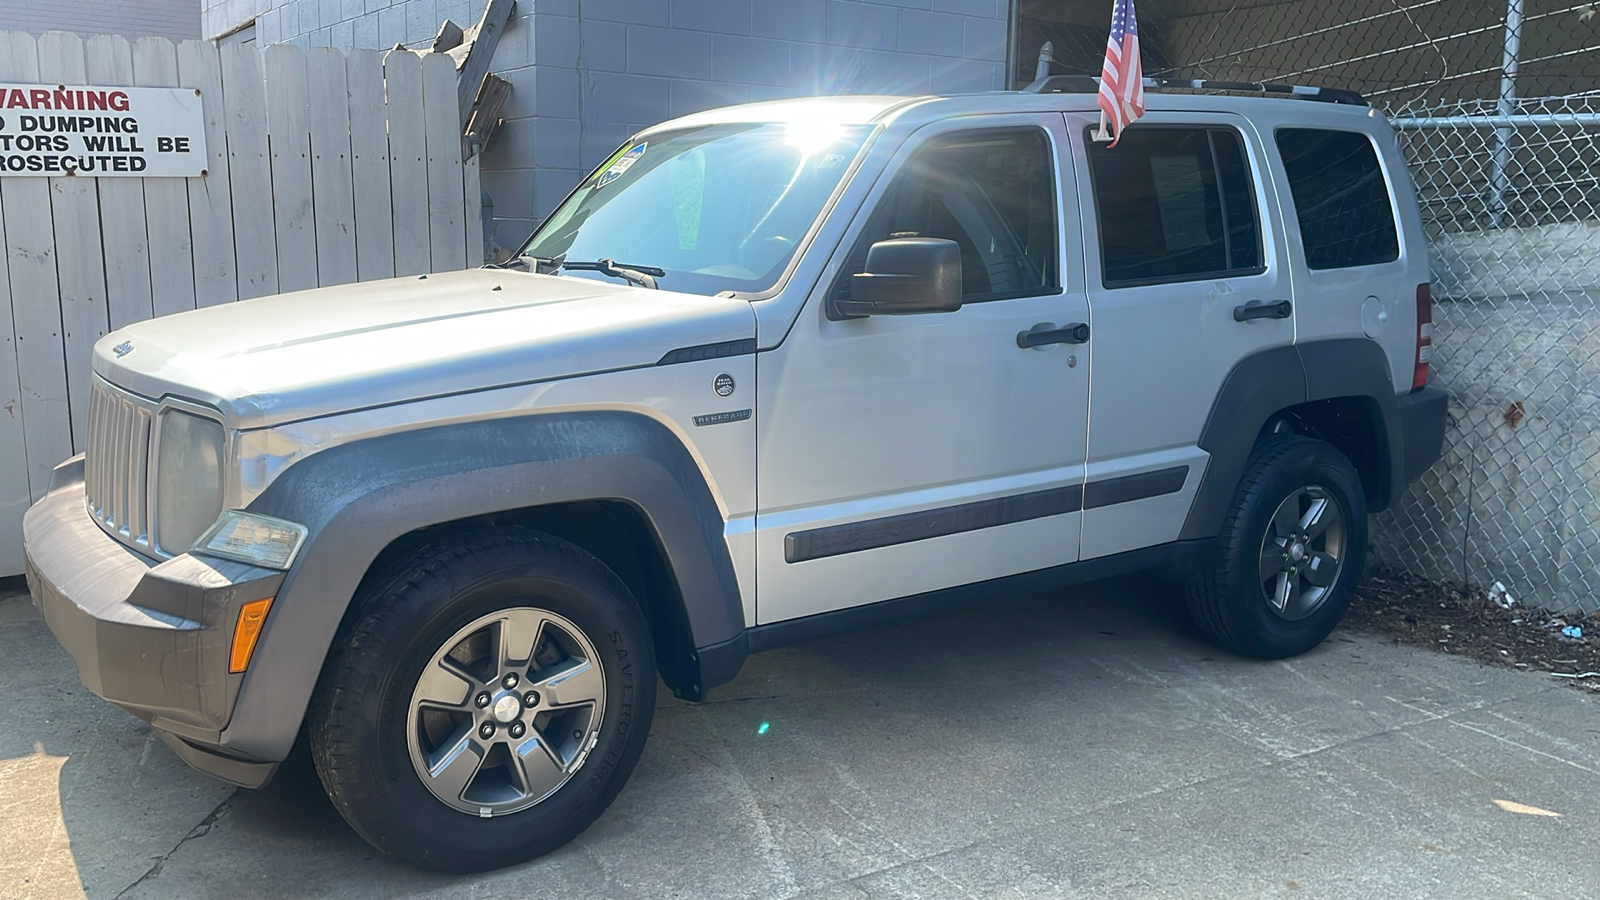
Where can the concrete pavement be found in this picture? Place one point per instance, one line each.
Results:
(1079, 745)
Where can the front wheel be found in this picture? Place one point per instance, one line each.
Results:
(1289, 555)
(487, 703)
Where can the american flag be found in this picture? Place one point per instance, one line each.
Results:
(1122, 78)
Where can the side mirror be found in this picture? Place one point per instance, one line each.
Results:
(906, 276)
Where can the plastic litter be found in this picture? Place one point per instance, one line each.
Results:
(1501, 596)
(1572, 631)
(1579, 675)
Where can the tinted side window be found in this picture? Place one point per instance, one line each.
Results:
(992, 192)
(1174, 204)
(1340, 198)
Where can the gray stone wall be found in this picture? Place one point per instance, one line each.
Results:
(586, 74)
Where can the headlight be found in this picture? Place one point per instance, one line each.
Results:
(188, 479)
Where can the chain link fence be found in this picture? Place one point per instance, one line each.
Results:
(1498, 107)
(1395, 52)
(1511, 200)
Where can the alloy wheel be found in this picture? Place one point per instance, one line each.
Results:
(1302, 553)
(505, 712)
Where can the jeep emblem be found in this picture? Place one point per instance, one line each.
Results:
(723, 385)
(123, 349)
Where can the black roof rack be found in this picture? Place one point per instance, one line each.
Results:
(1083, 84)
(1064, 84)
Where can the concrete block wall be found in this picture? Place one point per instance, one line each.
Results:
(586, 74)
(345, 24)
(175, 19)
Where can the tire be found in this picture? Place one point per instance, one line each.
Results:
(407, 762)
(1267, 592)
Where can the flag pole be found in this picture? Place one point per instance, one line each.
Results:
(1102, 135)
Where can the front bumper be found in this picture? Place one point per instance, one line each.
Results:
(150, 636)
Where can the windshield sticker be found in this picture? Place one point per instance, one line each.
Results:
(621, 165)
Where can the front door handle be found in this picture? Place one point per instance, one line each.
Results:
(1040, 335)
(1255, 309)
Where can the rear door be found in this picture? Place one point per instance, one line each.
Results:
(1186, 277)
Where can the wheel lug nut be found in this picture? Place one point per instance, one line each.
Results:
(531, 698)
(482, 700)
(486, 730)
(510, 681)
(577, 735)
(517, 729)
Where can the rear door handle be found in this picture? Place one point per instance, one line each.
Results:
(1040, 335)
(1255, 309)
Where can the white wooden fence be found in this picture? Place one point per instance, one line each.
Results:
(323, 168)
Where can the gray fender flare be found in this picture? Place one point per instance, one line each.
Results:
(357, 498)
(1264, 383)
(1355, 367)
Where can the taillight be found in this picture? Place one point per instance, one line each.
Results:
(1419, 378)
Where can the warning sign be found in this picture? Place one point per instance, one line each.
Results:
(99, 131)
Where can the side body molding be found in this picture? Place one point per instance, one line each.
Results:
(1265, 383)
(357, 498)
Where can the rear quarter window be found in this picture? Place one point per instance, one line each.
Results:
(1341, 198)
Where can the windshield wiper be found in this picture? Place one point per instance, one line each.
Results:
(544, 265)
(643, 276)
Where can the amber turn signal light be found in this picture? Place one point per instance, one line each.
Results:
(245, 631)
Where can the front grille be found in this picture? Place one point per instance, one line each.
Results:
(116, 463)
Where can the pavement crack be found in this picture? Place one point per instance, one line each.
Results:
(1450, 719)
(198, 831)
(739, 700)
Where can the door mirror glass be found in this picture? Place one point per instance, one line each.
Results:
(905, 276)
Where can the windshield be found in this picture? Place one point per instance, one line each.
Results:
(716, 208)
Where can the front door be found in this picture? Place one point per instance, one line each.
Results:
(904, 454)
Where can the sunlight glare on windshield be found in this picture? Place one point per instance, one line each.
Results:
(811, 135)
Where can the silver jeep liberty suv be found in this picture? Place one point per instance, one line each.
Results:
(769, 372)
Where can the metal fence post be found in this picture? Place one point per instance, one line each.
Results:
(1500, 174)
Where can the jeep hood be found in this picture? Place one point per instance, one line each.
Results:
(312, 353)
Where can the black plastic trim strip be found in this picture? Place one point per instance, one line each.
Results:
(1129, 488)
(700, 352)
(872, 534)
(851, 537)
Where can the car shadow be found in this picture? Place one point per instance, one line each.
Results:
(287, 839)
